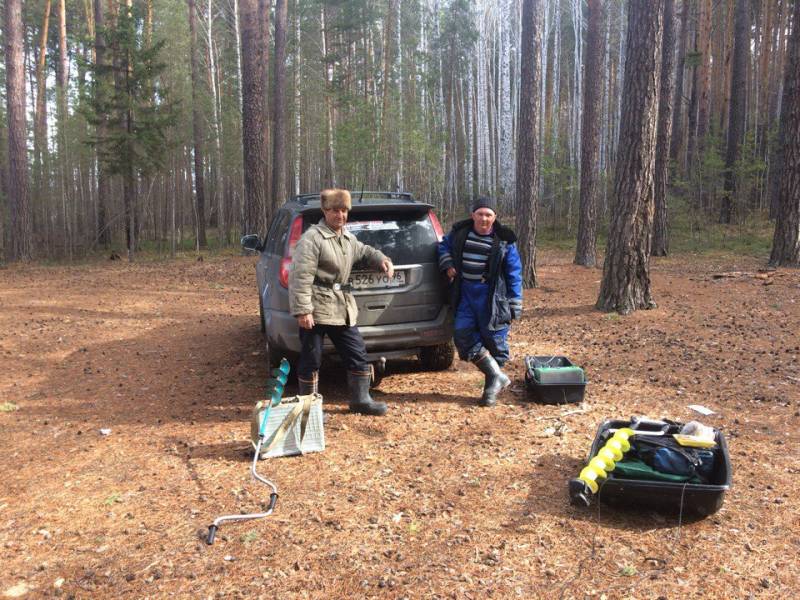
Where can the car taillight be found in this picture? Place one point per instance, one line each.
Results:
(295, 231)
(437, 227)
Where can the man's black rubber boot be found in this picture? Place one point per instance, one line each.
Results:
(360, 400)
(496, 380)
(308, 386)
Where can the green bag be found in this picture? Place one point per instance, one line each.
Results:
(633, 468)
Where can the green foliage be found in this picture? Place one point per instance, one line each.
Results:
(458, 35)
(127, 103)
(692, 232)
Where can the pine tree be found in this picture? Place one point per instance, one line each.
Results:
(18, 188)
(786, 242)
(133, 115)
(626, 271)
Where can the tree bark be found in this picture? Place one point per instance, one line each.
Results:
(329, 168)
(21, 231)
(62, 79)
(278, 103)
(704, 75)
(626, 271)
(660, 244)
(786, 241)
(677, 137)
(40, 116)
(738, 109)
(264, 7)
(103, 233)
(197, 131)
(254, 144)
(387, 148)
(694, 100)
(528, 160)
(586, 250)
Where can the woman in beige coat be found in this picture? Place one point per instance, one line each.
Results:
(320, 299)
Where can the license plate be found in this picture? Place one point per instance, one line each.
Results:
(371, 281)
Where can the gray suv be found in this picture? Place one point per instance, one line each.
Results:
(401, 317)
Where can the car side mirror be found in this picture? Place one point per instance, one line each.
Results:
(252, 242)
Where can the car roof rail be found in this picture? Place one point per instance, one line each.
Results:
(360, 196)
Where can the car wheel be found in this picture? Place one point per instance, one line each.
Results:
(437, 358)
(261, 315)
(271, 356)
(376, 373)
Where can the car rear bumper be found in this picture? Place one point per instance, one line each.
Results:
(389, 341)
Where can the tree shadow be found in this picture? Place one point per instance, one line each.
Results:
(181, 373)
(567, 311)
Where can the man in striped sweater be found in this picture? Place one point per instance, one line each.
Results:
(481, 260)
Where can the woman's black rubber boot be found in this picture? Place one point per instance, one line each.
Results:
(360, 400)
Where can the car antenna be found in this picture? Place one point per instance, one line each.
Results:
(361, 195)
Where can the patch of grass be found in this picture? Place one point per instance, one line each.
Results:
(627, 571)
(612, 316)
(114, 498)
(250, 537)
(690, 232)
(8, 407)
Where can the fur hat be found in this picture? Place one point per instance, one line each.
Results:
(335, 198)
(484, 202)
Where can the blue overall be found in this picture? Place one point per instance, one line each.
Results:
(484, 309)
(471, 329)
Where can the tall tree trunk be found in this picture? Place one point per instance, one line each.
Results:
(40, 116)
(704, 99)
(298, 98)
(586, 251)
(694, 100)
(62, 77)
(197, 131)
(626, 271)
(677, 136)
(786, 241)
(664, 127)
(387, 124)
(215, 105)
(129, 196)
(254, 143)
(278, 103)
(329, 169)
(528, 159)
(21, 232)
(764, 61)
(738, 108)
(264, 7)
(103, 233)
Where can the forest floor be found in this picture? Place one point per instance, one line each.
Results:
(125, 398)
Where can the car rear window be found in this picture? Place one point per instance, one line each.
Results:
(403, 237)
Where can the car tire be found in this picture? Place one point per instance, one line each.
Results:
(261, 315)
(376, 374)
(271, 356)
(437, 358)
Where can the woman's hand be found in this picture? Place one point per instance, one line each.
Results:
(451, 273)
(388, 268)
(305, 321)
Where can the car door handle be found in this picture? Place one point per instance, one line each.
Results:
(376, 306)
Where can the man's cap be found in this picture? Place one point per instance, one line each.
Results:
(335, 198)
(484, 202)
